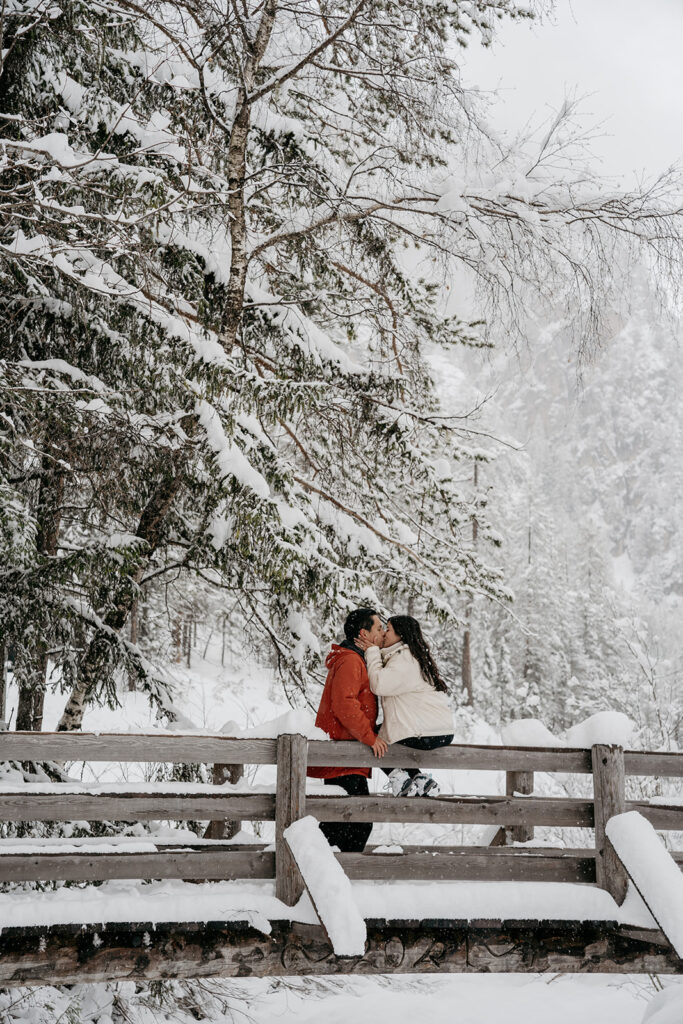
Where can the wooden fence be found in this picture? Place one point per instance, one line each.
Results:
(515, 813)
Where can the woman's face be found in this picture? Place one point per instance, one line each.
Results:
(390, 636)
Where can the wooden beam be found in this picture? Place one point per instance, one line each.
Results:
(645, 762)
(522, 783)
(456, 756)
(223, 863)
(501, 852)
(222, 773)
(664, 817)
(179, 749)
(470, 865)
(131, 806)
(609, 799)
(74, 954)
(484, 810)
(290, 804)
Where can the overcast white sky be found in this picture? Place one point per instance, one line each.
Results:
(625, 56)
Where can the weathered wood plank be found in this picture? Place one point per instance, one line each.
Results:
(457, 756)
(99, 867)
(609, 798)
(468, 866)
(27, 806)
(229, 861)
(290, 804)
(523, 783)
(645, 762)
(485, 810)
(665, 817)
(222, 773)
(144, 952)
(77, 746)
(500, 852)
(178, 748)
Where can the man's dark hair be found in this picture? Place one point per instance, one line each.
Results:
(360, 618)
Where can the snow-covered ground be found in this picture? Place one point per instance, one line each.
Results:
(459, 999)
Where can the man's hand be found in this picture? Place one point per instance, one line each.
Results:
(379, 747)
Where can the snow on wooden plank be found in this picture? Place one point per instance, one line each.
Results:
(329, 888)
(127, 901)
(653, 871)
(130, 746)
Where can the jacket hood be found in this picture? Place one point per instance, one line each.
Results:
(341, 651)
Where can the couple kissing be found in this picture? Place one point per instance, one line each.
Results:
(395, 664)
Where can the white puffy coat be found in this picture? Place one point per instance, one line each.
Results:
(411, 705)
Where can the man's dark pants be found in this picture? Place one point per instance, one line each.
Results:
(350, 837)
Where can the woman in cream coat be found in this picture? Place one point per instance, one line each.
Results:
(414, 699)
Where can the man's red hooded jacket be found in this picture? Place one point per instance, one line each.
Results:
(348, 707)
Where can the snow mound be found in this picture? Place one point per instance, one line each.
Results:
(529, 732)
(609, 727)
(666, 1007)
(296, 722)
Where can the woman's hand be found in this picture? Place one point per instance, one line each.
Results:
(379, 747)
(363, 641)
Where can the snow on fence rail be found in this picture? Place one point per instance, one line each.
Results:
(652, 870)
(513, 815)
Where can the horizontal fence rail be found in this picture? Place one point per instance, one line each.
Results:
(135, 747)
(455, 810)
(131, 806)
(513, 814)
(190, 749)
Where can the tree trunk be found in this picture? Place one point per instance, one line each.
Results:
(33, 675)
(32, 691)
(237, 170)
(467, 668)
(3, 683)
(133, 640)
(150, 529)
(187, 642)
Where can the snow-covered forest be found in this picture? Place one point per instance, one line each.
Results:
(287, 326)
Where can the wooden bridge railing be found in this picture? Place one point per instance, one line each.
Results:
(514, 815)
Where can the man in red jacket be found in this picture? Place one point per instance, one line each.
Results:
(348, 711)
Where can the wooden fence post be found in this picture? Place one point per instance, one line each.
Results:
(224, 829)
(506, 835)
(523, 783)
(290, 804)
(609, 799)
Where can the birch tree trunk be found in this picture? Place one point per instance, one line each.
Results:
(237, 170)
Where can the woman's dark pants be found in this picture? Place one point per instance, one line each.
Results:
(422, 743)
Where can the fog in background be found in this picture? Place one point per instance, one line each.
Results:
(623, 57)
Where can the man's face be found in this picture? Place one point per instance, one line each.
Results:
(374, 635)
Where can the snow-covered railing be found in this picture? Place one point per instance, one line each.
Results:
(513, 815)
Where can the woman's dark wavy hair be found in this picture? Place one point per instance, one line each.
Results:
(408, 629)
